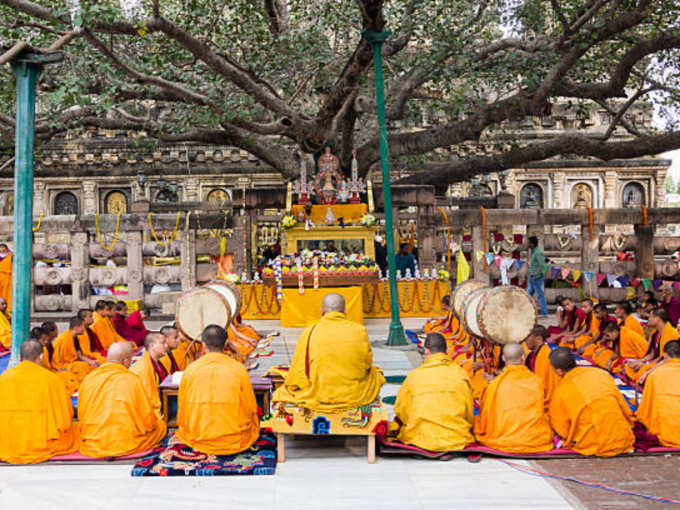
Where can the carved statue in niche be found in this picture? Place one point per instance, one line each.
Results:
(116, 202)
(65, 203)
(633, 196)
(581, 196)
(531, 197)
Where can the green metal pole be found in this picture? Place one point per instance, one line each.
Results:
(26, 74)
(396, 335)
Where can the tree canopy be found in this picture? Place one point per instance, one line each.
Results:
(283, 78)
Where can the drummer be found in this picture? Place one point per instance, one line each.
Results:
(436, 324)
(241, 339)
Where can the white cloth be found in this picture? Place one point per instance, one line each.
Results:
(506, 264)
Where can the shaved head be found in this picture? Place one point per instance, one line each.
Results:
(513, 354)
(562, 359)
(120, 352)
(333, 303)
(30, 350)
(435, 343)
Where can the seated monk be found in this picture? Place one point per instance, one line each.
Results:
(332, 368)
(434, 407)
(217, 409)
(149, 368)
(5, 328)
(136, 320)
(588, 411)
(561, 316)
(35, 411)
(588, 346)
(103, 327)
(241, 341)
(659, 410)
(588, 328)
(538, 361)
(115, 414)
(512, 415)
(119, 320)
(176, 359)
(663, 333)
(191, 348)
(575, 323)
(68, 355)
(624, 314)
(618, 346)
(89, 342)
(436, 324)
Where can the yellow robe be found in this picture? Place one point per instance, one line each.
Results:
(338, 372)
(217, 409)
(144, 369)
(181, 360)
(435, 406)
(35, 416)
(634, 325)
(546, 374)
(667, 334)
(659, 409)
(512, 417)
(6, 280)
(592, 333)
(631, 343)
(590, 414)
(5, 331)
(66, 357)
(244, 347)
(104, 329)
(116, 417)
(87, 349)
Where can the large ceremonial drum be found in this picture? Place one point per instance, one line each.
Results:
(461, 293)
(501, 315)
(215, 303)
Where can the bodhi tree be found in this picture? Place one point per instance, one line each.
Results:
(280, 79)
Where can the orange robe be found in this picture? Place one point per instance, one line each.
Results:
(5, 332)
(512, 416)
(35, 416)
(65, 357)
(88, 349)
(116, 417)
(150, 378)
(244, 347)
(631, 343)
(659, 409)
(590, 414)
(592, 332)
(656, 344)
(177, 359)
(104, 329)
(574, 322)
(6, 280)
(633, 324)
(217, 409)
(539, 363)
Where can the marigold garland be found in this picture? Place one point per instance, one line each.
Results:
(174, 232)
(99, 234)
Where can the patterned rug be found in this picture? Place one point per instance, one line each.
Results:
(176, 459)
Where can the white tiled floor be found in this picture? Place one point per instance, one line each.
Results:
(319, 473)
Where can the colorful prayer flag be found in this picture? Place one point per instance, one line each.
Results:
(656, 284)
(498, 259)
(646, 284)
(554, 271)
(599, 277)
(489, 258)
(545, 269)
(611, 278)
(479, 254)
(576, 274)
(565, 272)
(677, 286)
(519, 264)
(625, 280)
(635, 282)
(463, 270)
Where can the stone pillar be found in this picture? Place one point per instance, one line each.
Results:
(659, 198)
(89, 197)
(80, 270)
(41, 203)
(135, 265)
(611, 200)
(644, 252)
(188, 260)
(427, 253)
(559, 199)
(478, 269)
(241, 246)
(191, 190)
(590, 255)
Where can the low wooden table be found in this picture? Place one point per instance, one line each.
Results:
(262, 386)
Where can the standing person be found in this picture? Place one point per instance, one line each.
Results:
(536, 278)
(380, 254)
(405, 261)
(671, 304)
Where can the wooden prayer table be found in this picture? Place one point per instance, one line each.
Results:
(262, 386)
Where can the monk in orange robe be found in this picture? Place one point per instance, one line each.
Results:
(35, 411)
(176, 359)
(191, 349)
(618, 345)
(6, 275)
(588, 411)
(576, 323)
(67, 353)
(538, 361)
(241, 340)
(217, 409)
(5, 327)
(624, 314)
(663, 333)
(588, 346)
(120, 323)
(90, 344)
(659, 410)
(115, 414)
(103, 327)
(512, 415)
(436, 324)
(150, 369)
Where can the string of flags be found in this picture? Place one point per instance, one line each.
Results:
(553, 272)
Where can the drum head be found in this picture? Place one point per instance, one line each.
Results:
(461, 293)
(507, 314)
(471, 312)
(199, 308)
(230, 292)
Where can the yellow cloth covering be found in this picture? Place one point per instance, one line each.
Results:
(659, 409)
(435, 406)
(332, 368)
(546, 374)
(105, 331)
(35, 416)
(349, 212)
(667, 334)
(116, 417)
(6, 280)
(144, 369)
(362, 421)
(590, 414)
(512, 417)
(217, 409)
(5, 331)
(299, 311)
(634, 325)
(66, 358)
